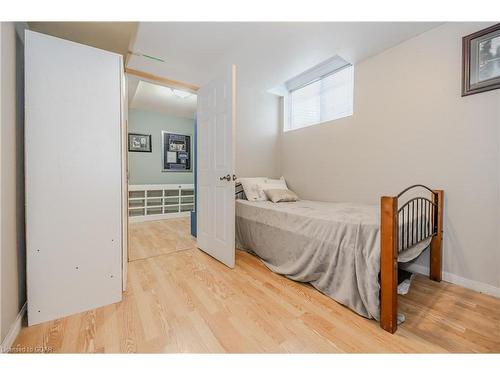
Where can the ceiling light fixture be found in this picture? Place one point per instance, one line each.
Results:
(181, 94)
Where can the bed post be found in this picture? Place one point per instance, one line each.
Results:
(388, 263)
(436, 242)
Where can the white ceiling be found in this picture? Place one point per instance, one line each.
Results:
(267, 54)
(148, 96)
(111, 36)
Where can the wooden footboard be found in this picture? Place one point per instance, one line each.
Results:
(417, 220)
(389, 264)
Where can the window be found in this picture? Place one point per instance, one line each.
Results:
(325, 98)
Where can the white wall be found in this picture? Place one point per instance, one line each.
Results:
(13, 292)
(410, 125)
(257, 131)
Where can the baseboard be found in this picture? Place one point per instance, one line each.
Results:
(458, 280)
(14, 330)
(175, 215)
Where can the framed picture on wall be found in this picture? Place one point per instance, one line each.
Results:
(139, 142)
(481, 61)
(176, 152)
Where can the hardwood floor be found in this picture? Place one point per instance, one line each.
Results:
(153, 238)
(185, 301)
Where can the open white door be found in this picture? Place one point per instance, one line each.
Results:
(73, 147)
(215, 153)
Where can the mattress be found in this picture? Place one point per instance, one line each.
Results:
(333, 246)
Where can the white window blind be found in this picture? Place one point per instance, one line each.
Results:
(325, 99)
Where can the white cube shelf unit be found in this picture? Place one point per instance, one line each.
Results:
(157, 202)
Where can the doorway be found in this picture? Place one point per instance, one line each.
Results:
(87, 266)
(161, 148)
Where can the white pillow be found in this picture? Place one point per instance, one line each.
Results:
(251, 187)
(269, 184)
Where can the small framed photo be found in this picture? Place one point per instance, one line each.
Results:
(481, 61)
(139, 142)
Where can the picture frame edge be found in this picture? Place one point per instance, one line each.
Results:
(466, 40)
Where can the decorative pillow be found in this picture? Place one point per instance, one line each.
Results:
(281, 195)
(270, 183)
(251, 187)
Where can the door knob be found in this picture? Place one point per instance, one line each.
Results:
(234, 177)
(227, 177)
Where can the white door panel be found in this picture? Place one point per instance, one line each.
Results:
(216, 122)
(73, 136)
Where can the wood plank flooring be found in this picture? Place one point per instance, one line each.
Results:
(185, 301)
(153, 238)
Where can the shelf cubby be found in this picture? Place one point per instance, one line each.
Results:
(189, 199)
(187, 207)
(136, 203)
(155, 202)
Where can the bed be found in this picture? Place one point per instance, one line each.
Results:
(347, 251)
